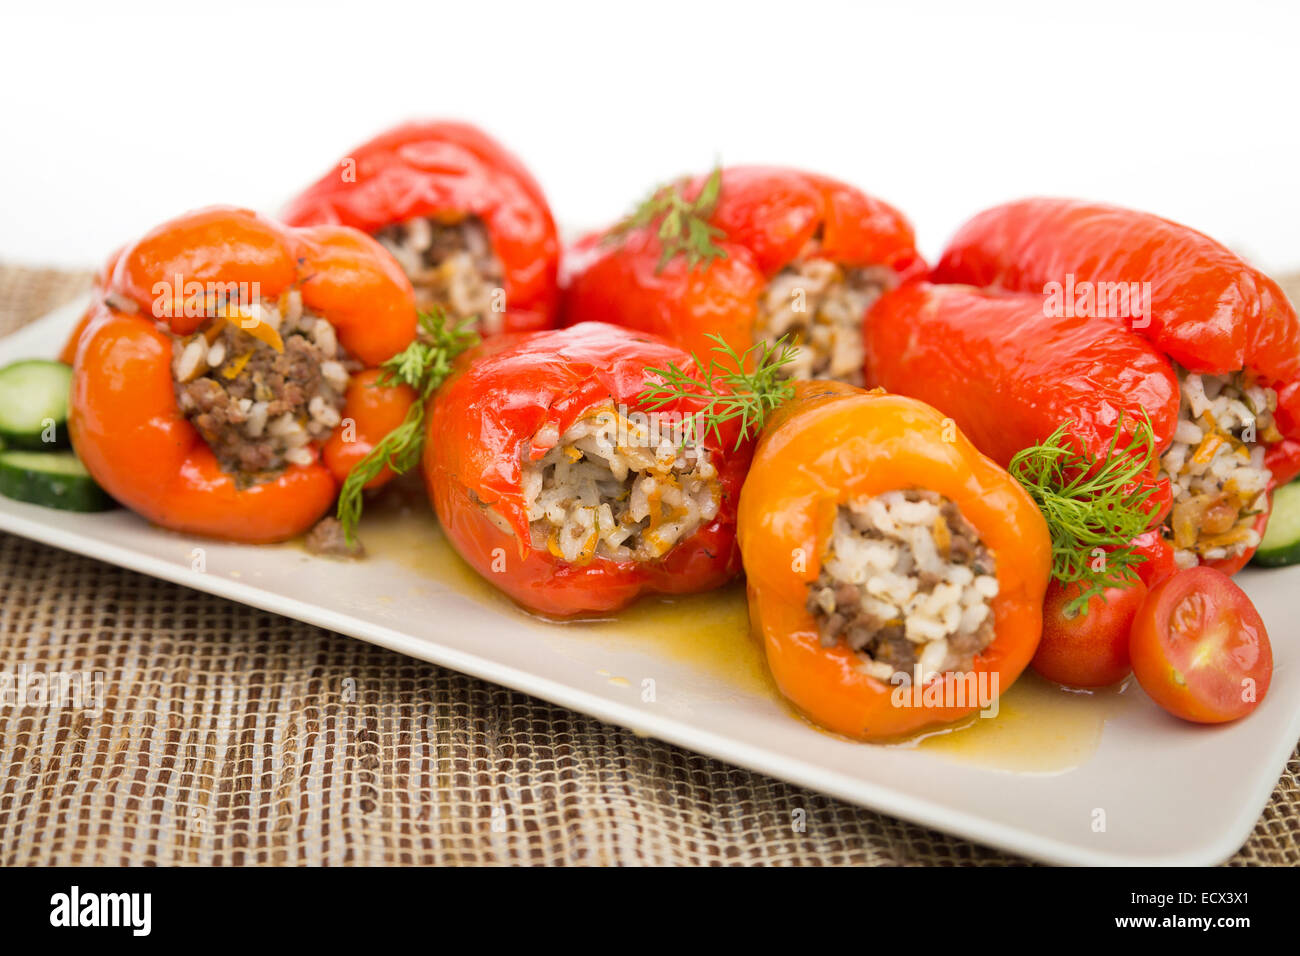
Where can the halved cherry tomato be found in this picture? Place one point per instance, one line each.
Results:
(1087, 649)
(1200, 649)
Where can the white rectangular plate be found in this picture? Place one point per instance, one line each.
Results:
(1087, 779)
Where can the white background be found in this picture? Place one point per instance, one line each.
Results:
(116, 116)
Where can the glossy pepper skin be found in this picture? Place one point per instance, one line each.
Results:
(510, 401)
(124, 419)
(833, 443)
(447, 171)
(1008, 377)
(1211, 312)
(767, 215)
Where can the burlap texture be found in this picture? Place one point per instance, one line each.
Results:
(232, 736)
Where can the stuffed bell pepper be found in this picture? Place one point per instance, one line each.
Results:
(884, 552)
(225, 384)
(750, 254)
(559, 483)
(1227, 331)
(465, 219)
(1010, 377)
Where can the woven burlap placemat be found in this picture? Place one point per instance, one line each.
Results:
(233, 736)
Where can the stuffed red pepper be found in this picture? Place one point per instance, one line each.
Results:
(1009, 377)
(1228, 330)
(558, 483)
(466, 220)
(750, 254)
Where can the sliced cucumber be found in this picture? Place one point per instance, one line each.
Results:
(1281, 544)
(53, 479)
(34, 404)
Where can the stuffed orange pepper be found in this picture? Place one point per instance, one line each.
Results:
(466, 220)
(896, 575)
(751, 254)
(226, 382)
(558, 478)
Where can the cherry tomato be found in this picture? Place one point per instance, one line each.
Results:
(1087, 649)
(1200, 649)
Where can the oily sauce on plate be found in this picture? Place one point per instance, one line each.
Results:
(1040, 728)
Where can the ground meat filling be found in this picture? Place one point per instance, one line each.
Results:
(905, 582)
(1216, 466)
(261, 382)
(611, 488)
(819, 305)
(328, 539)
(452, 267)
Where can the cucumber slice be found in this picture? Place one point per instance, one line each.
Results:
(53, 479)
(1281, 544)
(34, 404)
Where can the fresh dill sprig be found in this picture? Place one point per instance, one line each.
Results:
(423, 365)
(684, 227)
(1091, 502)
(426, 362)
(749, 396)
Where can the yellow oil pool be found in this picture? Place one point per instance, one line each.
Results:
(1040, 728)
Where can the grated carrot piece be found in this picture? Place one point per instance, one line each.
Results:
(260, 330)
(212, 331)
(232, 370)
(553, 546)
(1204, 453)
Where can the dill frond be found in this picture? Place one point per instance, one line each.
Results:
(684, 227)
(423, 365)
(1091, 502)
(730, 391)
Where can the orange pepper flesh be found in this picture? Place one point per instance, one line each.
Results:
(124, 420)
(69, 351)
(376, 411)
(833, 443)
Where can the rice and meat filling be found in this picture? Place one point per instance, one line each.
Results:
(609, 489)
(820, 306)
(451, 265)
(260, 382)
(1216, 465)
(906, 582)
